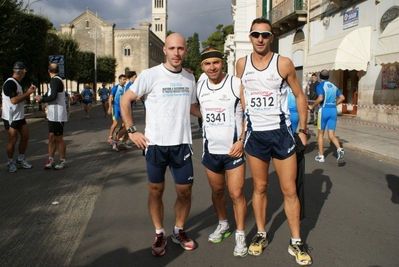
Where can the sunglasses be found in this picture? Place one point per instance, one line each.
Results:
(265, 35)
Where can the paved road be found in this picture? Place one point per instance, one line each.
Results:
(352, 212)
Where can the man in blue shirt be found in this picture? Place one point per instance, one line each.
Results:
(87, 94)
(329, 96)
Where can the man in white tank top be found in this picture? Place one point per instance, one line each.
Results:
(223, 154)
(265, 76)
(56, 117)
(13, 115)
(170, 98)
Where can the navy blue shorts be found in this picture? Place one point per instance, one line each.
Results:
(14, 124)
(177, 158)
(218, 163)
(278, 144)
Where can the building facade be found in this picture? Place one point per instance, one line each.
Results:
(355, 39)
(133, 49)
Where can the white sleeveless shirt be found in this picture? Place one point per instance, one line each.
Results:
(12, 112)
(265, 94)
(56, 110)
(221, 113)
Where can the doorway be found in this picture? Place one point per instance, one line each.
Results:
(350, 90)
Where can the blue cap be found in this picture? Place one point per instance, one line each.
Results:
(19, 66)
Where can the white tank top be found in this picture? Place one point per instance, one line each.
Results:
(56, 110)
(265, 94)
(221, 113)
(12, 112)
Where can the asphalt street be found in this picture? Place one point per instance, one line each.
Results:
(94, 213)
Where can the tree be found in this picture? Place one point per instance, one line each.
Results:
(85, 70)
(193, 57)
(106, 67)
(218, 37)
(69, 48)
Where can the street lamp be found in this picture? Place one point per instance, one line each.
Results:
(30, 4)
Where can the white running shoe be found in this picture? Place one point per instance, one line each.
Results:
(24, 164)
(319, 158)
(220, 233)
(241, 249)
(340, 155)
(11, 166)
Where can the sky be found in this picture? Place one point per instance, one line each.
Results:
(184, 16)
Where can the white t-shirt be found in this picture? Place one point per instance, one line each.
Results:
(169, 96)
(221, 111)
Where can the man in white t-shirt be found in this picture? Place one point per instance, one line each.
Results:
(170, 98)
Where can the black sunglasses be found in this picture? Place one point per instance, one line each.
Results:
(265, 35)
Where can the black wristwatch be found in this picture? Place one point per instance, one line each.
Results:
(132, 129)
(305, 131)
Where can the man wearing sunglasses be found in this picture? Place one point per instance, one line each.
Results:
(265, 76)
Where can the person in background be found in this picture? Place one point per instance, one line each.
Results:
(294, 117)
(103, 93)
(87, 95)
(329, 96)
(13, 115)
(312, 96)
(57, 115)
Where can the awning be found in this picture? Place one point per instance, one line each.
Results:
(345, 51)
(388, 44)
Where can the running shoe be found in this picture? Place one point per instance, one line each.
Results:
(109, 140)
(124, 146)
(340, 155)
(319, 158)
(241, 249)
(87, 117)
(115, 146)
(259, 242)
(61, 165)
(182, 239)
(24, 164)
(220, 233)
(158, 248)
(49, 164)
(299, 252)
(11, 166)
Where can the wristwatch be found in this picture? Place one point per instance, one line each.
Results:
(132, 129)
(305, 131)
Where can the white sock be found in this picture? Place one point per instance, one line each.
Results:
(224, 223)
(238, 232)
(294, 240)
(21, 157)
(158, 231)
(176, 230)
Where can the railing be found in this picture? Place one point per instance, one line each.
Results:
(284, 9)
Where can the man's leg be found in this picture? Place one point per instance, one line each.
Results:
(155, 204)
(218, 185)
(235, 181)
(182, 203)
(51, 145)
(259, 170)
(12, 140)
(286, 171)
(61, 146)
(23, 144)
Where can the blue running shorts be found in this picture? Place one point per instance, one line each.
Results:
(218, 163)
(278, 144)
(177, 158)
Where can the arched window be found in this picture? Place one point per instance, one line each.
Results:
(127, 51)
(299, 36)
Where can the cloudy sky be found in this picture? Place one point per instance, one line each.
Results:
(184, 16)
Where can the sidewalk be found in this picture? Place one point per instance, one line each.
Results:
(368, 138)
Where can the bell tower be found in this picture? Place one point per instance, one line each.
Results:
(160, 18)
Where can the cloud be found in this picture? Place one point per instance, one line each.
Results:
(184, 16)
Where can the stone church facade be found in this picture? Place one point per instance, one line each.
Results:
(133, 49)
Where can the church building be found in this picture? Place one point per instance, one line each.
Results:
(134, 49)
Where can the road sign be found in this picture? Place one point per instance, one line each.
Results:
(59, 59)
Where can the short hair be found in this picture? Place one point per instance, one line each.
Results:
(324, 74)
(53, 68)
(131, 74)
(314, 74)
(122, 76)
(260, 21)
